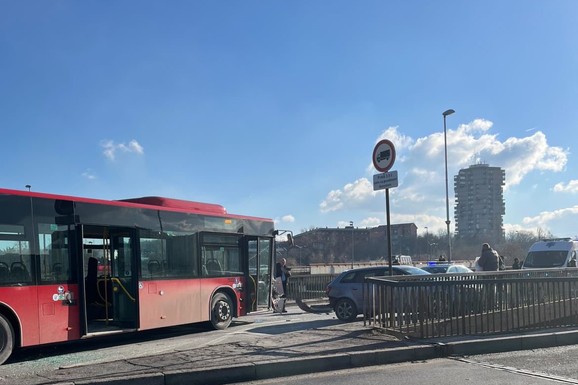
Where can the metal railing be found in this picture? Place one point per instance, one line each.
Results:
(308, 287)
(474, 303)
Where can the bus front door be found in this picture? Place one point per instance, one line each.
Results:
(260, 258)
(109, 261)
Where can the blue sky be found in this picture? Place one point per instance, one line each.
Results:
(273, 108)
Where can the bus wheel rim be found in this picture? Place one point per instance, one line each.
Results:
(223, 310)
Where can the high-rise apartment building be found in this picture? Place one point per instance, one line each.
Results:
(480, 205)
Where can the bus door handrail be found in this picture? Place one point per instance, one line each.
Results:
(116, 281)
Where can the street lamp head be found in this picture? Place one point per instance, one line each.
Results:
(448, 112)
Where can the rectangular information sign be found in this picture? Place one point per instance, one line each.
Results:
(384, 180)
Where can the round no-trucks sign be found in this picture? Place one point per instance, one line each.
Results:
(383, 155)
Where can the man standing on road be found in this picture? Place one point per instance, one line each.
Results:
(283, 272)
(489, 260)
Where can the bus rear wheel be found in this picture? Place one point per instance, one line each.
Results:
(221, 311)
(6, 339)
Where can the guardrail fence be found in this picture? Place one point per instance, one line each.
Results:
(308, 287)
(475, 303)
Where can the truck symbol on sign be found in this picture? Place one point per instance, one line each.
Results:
(383, 155)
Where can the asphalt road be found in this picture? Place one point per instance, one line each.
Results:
(438, 371)
(295, 338)
(42, 360)
(550, 362)
(38, 365)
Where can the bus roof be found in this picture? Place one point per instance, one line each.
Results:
(165, 204)
(178, 204)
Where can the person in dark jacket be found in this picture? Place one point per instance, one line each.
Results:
(283, 272)
(490, 259)
(516, 265)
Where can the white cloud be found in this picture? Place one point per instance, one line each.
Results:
(420, 195)
(351, 195)
(333, 202)
(471, 143)
(367, 222)
(570, 187)
(280, 222)
(517, 228)
(111, 148)
(88, 174)
(370, 222)
(399, 140)
(520, 156)
(544, 219)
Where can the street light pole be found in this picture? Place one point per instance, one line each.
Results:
(446, 113)
(427, 242)
(352, 244)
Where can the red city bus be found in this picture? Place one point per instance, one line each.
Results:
(73, 268)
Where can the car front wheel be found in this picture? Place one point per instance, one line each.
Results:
(345, 310)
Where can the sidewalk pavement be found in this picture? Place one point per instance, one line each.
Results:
(268, 347)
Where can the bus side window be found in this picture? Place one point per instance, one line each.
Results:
(214, 267)
(154, 268)
(19, 272)
(54, 253)
(14, 268)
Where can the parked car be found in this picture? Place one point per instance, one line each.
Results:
(345, 292)
(435, 267)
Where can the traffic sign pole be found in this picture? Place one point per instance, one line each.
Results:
(388, 230)
(383, 159)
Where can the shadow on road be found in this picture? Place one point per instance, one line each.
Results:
(51, 350)
(294, 326)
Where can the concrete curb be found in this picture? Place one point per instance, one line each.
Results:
(314, 364)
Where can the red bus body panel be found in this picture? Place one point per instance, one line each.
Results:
(58, 310)
(45, 313)
(177, 302)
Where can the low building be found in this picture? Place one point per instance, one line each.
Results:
(351, 244)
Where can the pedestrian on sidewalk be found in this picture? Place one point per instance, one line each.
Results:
(279, 288)
(283, 272)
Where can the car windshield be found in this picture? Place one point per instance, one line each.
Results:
(435, 269)
(413, 270)
(545, 259)
(460, 269)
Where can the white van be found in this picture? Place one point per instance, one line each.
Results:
(551, 253)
